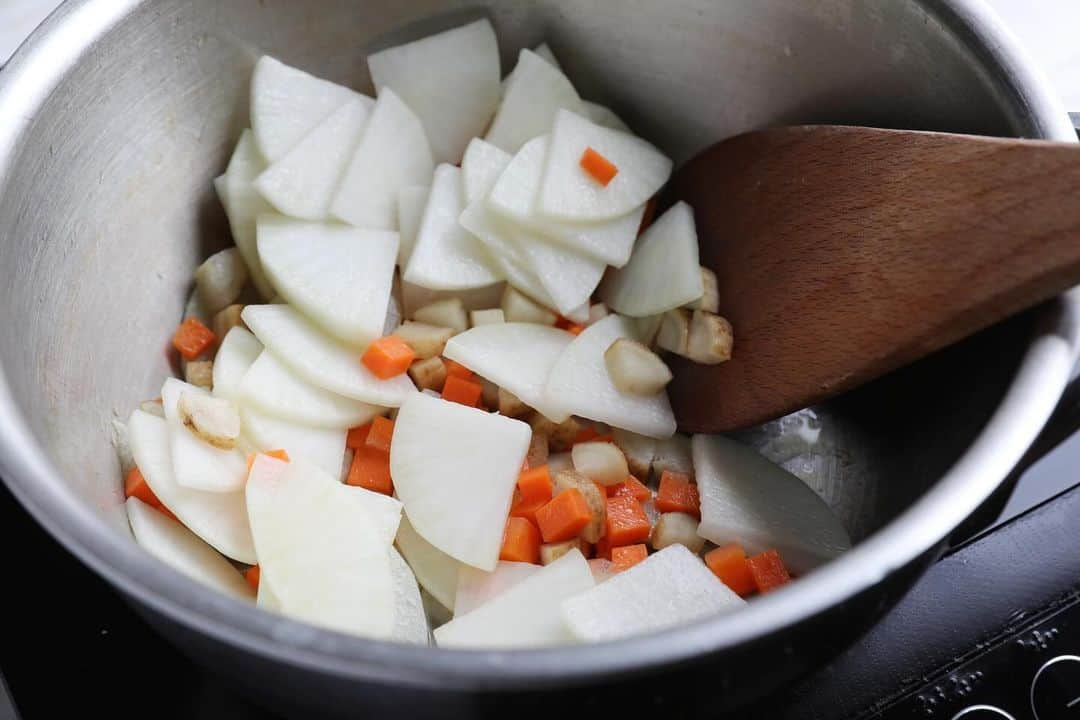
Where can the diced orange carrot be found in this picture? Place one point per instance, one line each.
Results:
(598, 167)
(135, 486)
(523, 508)
(678, 494)
(535, 483)
(370, 469)
(627, 522)
(456, 369)
(632, 487)
(563, 322)
(521, 542)
(768, 570)
(648, 215)
(192, 338)
(586, 434)
(357, 436)
(729, 564)
(564, 516)
(388, 357)
(462, 391)
(576, 329)
(382, 431)
(279, 454)
(628, 556)
(603, 547)
(252, 575)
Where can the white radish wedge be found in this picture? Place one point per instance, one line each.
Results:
(243, 204)
(568, 277)
(411, 202)
(320, 359)
(322, 551)
(671, 587)
(476, 587)
(450, 80)
(302, 182)
(481, 167)
(287, 104)
(436, 571)
(570, 193)
(176, 546)
(455, 469)
(220, 519)
(410, 619)
(544, 52)
(271, 387)
(265, 599)
(579, 384)
(446, 256)
(196, 463)
(393, 153)
(529, 614)
(537, 91)
(322, 447)
(515, 356)
(638, 449)
(235, 355)
(663, 273)
(602, 115)
(752, 501)
(514, 197)
(338, 276)
(673, 455)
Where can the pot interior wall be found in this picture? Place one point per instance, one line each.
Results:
(108, 207)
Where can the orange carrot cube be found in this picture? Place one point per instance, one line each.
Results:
(456, 369)
(357, 436)
(370, 469)
(192, 338)
(678, 494)
(564, 516)
(380, 435)
(521, 542)
(768, 570)
(627, 522)
(252, 576)
(729, 564)
(628, 556)
(388, 357)
(598, 167)
(462, 391)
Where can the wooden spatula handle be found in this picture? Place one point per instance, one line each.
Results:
(928, 238)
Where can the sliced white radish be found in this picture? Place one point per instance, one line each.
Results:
(320, 359)
(515, 356)
(446, 256)
(218, 518)
(477, 587)
(569, 193)
(752, 501)
(579, 384)
(455, 469)
(544, 52)
(514, 196)
(301, 183)
(580, 314)
(450, 80)
(663, 273)
(393, 153)
(265, 598)
(198, 464)
(670, 587)
(529, 614)
(673, 455)
(436, 571)
(481, 167)
(568, 277)
(272, 388)
(602, 115)
(410, 619)
(287, 104)
(323, 447)
(176, 546)
(411, 202)
(638, 449)
(322, 551)
(338, 276)
(536, 92)
(243, 204)
(234, 356)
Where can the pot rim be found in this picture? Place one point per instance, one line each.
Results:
(38, 67)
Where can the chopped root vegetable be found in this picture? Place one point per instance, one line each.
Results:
(252, 576)
(627, 523)
(220, 279)
(225, 320)
(486, 317)
(677, 528)
(594, 495)
(538, 451)
(729, 564)
(370, 470)
(509, 404)
(518, 307)
(602, 569)
(428, 374)
(711, 339)
(427, 341)
(357, 436)
(550, 552)
(135, 486)
(564, 516)
(598, 167)
(673, 454)
(535, 484)
(710, 299)
(192, 338)
(456, 369)
(638, 449)
(601, 462)
(489, 394)
(466, 392)
(521, 542)
(627, 556)
(678, 494)
(636, 369)
(200, 373)
(213, 420)
(768, 571)
(388, 357)
(444, 313)
(597, 312)
(674, 333)
(560, 436)
(632, 487)
(382, 431)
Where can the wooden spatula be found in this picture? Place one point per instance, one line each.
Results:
(845, 252)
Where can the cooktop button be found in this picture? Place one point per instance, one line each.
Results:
(982, 712)
(1055, 691)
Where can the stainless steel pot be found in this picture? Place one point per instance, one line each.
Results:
(117, 113)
